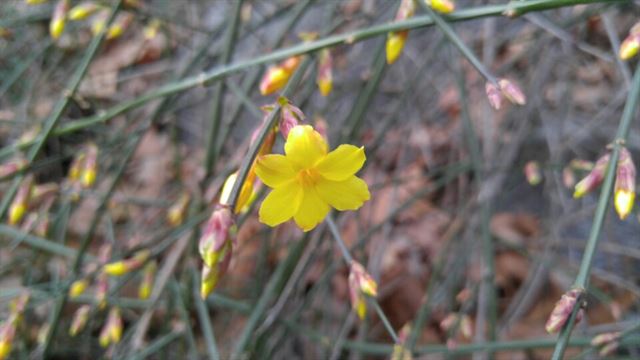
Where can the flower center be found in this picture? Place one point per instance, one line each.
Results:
(308, 177)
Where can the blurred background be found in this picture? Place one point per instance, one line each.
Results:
(467, 250)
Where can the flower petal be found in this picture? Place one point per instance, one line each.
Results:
(281, 204)
(348, 194)
(274, 170)
(304, 146)
(342, 162)
(312, 210)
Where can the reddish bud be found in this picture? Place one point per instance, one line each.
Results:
(593, 179)
(494, 95)
(625, 187)
(532, 173)
(563, 309)
(216, 235)
(79, 320)
(512, 92)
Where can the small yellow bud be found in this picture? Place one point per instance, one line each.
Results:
(629, 47)
(16, 213)
(90, 166)
(175, 214)
(117, 268)
(210, 277)
(5, 349)
(625, 186)
(79, 320)
(624, 203)
(395, 44)
(77, 288)
(147, 280)
(151, 30)
(35, 2)
(83, 10)
(274, 79)
(443, 6)
(56, 26)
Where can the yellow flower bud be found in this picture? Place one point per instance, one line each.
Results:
(629, 47)
(147, 280)
(625, 186)
(395, 44)
(77, 288)
(151, 30)
(56, 26)
(274, 79)
(79, 320)
(175, 214)
(83, 10)
(442, 6)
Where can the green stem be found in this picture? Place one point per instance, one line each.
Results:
(203, 316)
(582, 280)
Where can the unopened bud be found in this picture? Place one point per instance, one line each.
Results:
(83, 10)
(56, 26)
(211, 275)
(99, 22)
(625, 187)
(532, 173)
(563, 309)
(609, 349)
(568, 177)
(291, 116)
(325, 72)
(603, 339)
(80, 318)
(112, 330)
(20, 202)
(35, 2)
(119, 25)
(148, 275)
(494, 95)
(102, 288)
(593, 179)
(629, 47)
(7, 335)
(400, 352)
(11, 167)
(216, 235)
(277, 76)
(151, 30)
(395, 44)
(360, 284)
(175, 214)
(512, 92)
(119, 268)
(245, 192)
(442, 6)
(78, 287)
(90, 166)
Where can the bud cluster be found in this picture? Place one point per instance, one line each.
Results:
(506, 88)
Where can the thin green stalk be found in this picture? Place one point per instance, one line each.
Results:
(349, 259)
(37, 242)
(157, 345)
(307, 47)
(582, 280)
(448, 31)
(204, 318)
(59, 108)
(216, 111)
(183, 311)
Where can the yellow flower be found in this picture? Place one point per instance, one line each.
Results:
(308, 181)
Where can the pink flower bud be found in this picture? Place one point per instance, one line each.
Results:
(80, 318)
(360, 284)
(290, 116)
(512, 92)
(563, 309)
(625, 187)
(532, 173)
(494, 95)
(216, 234)
(593, 179)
